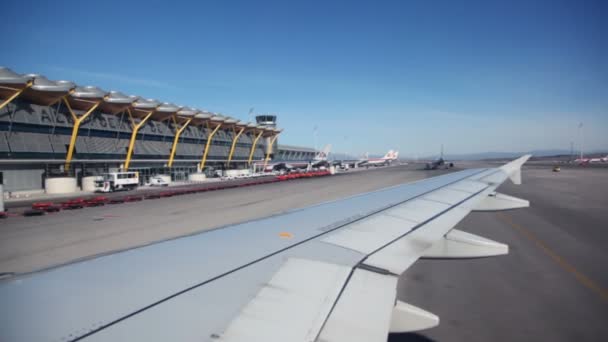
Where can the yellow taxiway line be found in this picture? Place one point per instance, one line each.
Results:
(580, 277)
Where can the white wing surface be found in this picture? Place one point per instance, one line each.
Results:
(322, 273)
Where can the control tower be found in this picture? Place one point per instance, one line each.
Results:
(270, 121)
(267, 120)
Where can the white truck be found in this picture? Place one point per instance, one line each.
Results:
(116, 181)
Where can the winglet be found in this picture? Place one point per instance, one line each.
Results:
(513, 168)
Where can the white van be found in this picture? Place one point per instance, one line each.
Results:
(158, 181)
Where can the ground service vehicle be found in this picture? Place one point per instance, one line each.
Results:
(158, 181)
(116, 181)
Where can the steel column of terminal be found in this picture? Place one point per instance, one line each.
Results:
(135, 128)
(269, 149)
(236, 138)
(15, 95)
(207, 145)
(255, 141)
(77, 122)
(176, 140)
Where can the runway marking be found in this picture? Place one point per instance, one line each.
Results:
(582, 278)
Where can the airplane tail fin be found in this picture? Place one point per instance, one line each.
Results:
(389, 154)
(323, 154)
(396, 155)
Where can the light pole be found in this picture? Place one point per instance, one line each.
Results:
(314, 137)
(571, 151)
(250, 114)
(581, 138)
(346, 148)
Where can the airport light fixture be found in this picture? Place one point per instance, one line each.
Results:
(581, 138)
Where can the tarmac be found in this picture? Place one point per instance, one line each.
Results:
(553, 285)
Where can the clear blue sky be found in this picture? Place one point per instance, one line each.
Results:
(474, 75)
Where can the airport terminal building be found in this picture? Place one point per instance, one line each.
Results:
(59, 129)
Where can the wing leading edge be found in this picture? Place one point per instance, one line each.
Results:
(333, 281)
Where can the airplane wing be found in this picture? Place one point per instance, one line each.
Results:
(323, 273)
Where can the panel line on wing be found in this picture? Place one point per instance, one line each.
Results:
(400, 217)
(436, 201)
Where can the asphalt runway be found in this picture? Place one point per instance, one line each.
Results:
(553, 285)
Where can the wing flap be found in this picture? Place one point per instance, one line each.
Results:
(367, 235)
(363, 312)
(418, 210)
(448, 196)
(302, 291)
(468, 185)
(399, 255)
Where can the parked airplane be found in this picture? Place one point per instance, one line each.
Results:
(388, 158)
(320, 160)
(349, 163)
(328, 272)
(583, 161)
(599, 160)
